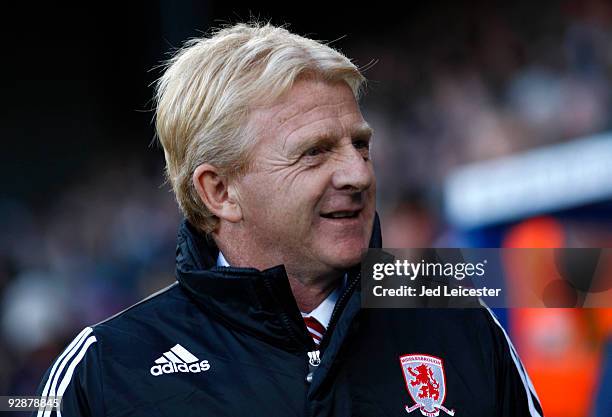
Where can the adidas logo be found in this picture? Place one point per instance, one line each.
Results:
(178, 359)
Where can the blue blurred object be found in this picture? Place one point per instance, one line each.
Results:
(603, 402)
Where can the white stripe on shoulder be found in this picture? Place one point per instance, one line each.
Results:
(529, 389)
(61, 361)
(68, 377)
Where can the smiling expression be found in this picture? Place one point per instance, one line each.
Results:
(308, 198)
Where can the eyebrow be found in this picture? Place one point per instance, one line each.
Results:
(362, 131)
(328, 137)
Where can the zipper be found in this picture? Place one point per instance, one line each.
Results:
(314, 360)
(337, 309)
(314, 357)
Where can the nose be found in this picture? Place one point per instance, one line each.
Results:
(352, 171)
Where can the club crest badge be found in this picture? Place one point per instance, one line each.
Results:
(425, 381)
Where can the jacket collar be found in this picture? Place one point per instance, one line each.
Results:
(256, 302)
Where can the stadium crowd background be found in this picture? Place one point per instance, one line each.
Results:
(88, 226)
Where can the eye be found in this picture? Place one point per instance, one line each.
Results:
(363, 146)
(315, 151)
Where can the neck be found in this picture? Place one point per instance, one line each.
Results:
(309, 296)
(309, 287)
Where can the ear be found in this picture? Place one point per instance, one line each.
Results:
(216, 194)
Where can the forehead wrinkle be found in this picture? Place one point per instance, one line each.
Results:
(303, 110)
(329, 129)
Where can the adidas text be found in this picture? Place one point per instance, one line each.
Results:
(170, 368)
(178, 359)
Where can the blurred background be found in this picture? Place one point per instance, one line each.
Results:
(493, 128)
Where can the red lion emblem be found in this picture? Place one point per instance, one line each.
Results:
(424, 377)
(426, 383)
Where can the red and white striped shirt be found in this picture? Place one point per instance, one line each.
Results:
(318, 319)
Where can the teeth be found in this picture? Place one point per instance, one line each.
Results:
(341, 214)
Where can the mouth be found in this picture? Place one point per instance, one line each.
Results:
(341, 214)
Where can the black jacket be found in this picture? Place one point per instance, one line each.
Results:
(231, 342)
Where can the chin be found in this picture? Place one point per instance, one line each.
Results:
(343, 256)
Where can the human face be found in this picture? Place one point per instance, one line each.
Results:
(308, 199)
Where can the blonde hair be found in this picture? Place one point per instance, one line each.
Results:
(205, 94)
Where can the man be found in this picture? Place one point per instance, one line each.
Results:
(268, 155)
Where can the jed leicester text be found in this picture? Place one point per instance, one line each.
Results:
(441, 290)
